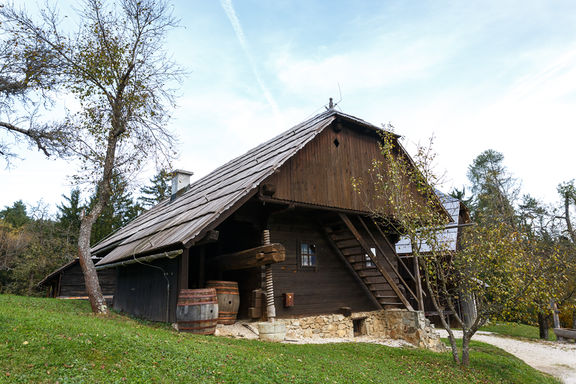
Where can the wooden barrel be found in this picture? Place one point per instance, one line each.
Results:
(228, 300)
(197, 311)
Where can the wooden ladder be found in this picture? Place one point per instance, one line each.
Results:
(355, 250)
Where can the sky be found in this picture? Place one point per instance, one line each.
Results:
(475, 75)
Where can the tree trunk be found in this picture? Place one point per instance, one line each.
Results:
(440, 311)
(453, 346)
(102, 197)
(574, 319)
(567, 217)
(466, 349)
(543, 325)
(97, 301)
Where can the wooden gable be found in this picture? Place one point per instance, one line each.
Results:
(321, 173)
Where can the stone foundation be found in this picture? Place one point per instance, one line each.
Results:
(410, 326)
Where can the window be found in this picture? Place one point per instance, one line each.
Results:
(368, 261)
(307, 255)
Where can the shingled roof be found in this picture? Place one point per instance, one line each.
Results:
(178, 223)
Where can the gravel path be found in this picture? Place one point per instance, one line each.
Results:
(556, 359)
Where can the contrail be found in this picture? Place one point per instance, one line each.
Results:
(530, 83)
(231, 13)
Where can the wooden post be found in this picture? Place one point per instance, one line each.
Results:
(270, 308)
(555, 312)
(201, 266)
(556, 318)
(184, 269)
(418, 280)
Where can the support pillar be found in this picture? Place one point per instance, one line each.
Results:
(270, 308)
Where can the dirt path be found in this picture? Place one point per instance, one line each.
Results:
(556, 359)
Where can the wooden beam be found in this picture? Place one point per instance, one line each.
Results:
(184, 267)
(210, 237)
(368, 251)
(250, 258)
(273, 200)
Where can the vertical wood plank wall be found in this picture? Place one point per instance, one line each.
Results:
(316, 291)
(141, 290)
(321, 173)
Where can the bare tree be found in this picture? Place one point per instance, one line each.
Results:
(116, 67)
(27, 78)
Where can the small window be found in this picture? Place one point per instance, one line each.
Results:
(307, 255)
(368, 261)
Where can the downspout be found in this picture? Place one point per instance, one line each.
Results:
(168, 255)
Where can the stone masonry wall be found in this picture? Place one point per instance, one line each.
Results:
(324, 326)
(410, 326)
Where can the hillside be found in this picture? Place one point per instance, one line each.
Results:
(50, 341)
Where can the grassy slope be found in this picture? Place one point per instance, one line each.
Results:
(516, 330)
(47, 341)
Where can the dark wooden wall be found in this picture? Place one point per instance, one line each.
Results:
(323, 290)
(321, 173)
(72, 282)
(142, 290)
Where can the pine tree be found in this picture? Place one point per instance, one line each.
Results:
(15, 215)
(494, 190)
(70, 215)
(159, 189)
(119, 211)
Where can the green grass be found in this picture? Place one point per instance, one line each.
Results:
(49, 341)
(516, 330)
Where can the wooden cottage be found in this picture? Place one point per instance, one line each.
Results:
(67, 282)
(296, 185)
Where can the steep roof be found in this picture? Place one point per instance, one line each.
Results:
(173, 224)
(57, 271)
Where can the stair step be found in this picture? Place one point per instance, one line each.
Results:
(356, 259)
(369, 272)
(336, 236)
(375, 279)
(392, 297)
(387, 303)
(383, 286)
(341, 231)
(331, 224)
(361, 265)
(352, 251)
(384, 293)
(347, 244)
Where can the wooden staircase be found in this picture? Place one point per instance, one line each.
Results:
(376, 272)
